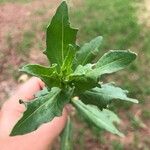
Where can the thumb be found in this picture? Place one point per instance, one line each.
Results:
(41, 139)
(12, 111)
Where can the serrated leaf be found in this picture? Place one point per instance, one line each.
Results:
(42, 110)
(88, 51)
(59, 36)
(101, 97)
(49, 75)
(66, 136)
(113, 61)
(101, 119)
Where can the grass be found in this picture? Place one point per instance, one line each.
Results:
(146, 114)
(27, 42)
(115, 20)
(116, 145)
(22, 46)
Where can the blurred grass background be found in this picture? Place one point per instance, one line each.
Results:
(120, 23)
(12, 1)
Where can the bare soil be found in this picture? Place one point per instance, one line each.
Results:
(15, 19)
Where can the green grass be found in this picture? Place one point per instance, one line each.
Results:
(115, 20)
(146, 114)
(22, 46)
(27, 41)
(116, 145)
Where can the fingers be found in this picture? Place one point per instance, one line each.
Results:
(12, 111)
(28, 89)
(52, 129)
(47, 133)
(43, 137)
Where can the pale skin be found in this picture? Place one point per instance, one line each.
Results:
(11, 112)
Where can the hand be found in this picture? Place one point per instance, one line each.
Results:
(12, 111)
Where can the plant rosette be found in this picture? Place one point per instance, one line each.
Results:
(73, 78)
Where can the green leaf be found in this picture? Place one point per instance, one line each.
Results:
(66, 68)
(101, 119)
(113, 61)
(43, 92)
(42, 110)
(82, 70)
(88, 51)
(80, 80)
(49, 75)
(38, 70)
(66, 136)
(59, 36)
(101, 97)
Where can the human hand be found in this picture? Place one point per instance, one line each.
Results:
(12, 111)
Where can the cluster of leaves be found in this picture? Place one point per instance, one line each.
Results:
(73, 78)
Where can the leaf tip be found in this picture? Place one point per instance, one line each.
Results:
(75, 98)
(64, 4)
(21, 69)
(136, 101)
(44, 52)
(133, 100)
(121, 135)
(100, 38)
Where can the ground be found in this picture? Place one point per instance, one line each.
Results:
(22, 40)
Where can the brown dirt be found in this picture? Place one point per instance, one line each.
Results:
(15, 19)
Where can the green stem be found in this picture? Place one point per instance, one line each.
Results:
(66, 137)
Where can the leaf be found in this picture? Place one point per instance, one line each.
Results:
(66, 68)
(38, 70)
(82, 70)
(113, 61)
(101, 97)
(59, 36)
(43, 92)
(80, 80)
(101, 119)
(49, 75)
(88, 51)
(42, 110)
(66, 136)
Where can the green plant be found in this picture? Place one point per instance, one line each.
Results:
(117, 145)
(72, 78)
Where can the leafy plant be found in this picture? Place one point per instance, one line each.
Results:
(73, 78)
